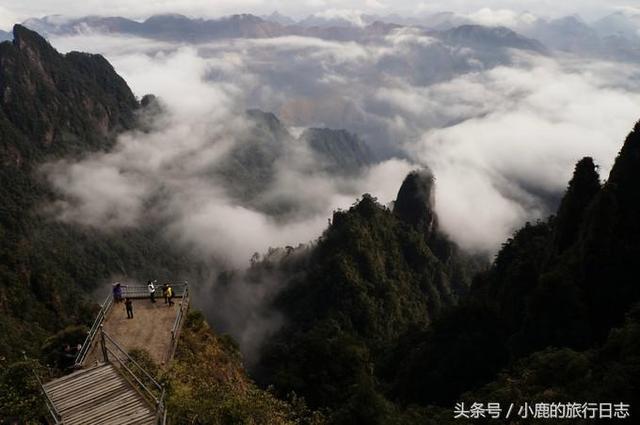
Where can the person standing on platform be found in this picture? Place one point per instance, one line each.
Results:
(170, 295)
(165, 287)
(152, 291)
(128, 304)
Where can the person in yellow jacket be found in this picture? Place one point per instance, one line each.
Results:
(170, 294)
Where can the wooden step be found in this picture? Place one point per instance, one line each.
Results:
(82, 384)
(99, 395)
(74, 375)
(111, 406)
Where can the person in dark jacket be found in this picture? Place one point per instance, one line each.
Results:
(117, 292)
(165, 293)
(128, 304)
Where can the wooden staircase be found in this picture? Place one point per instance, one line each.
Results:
(99, 395)
(105, 394)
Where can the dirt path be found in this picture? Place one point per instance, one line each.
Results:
(150, 328)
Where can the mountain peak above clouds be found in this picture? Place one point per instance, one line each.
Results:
(335, 18)
(621, 23)
(279, 18)
(340, 149)
(415, 203)
(477, 35)
(62, 117)
(614, 37)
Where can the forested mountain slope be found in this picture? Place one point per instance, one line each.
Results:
(566, 282)
(377, 327)
(51, 106)
(374, 275)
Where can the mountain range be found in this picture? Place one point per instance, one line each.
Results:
(614, 36)
(386, 320)
(183, 29)
(383, 324)
(79, 105)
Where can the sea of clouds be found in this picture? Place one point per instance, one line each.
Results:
(500, 129)
(500, 134)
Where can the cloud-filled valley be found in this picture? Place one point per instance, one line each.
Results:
(499, 118)
(498, 126)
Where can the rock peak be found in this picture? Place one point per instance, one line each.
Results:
(415, 203)
(23, 35)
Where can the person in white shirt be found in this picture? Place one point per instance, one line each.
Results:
(152, 291)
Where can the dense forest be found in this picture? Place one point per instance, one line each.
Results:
(382, 328)
(386, 320)
(56, 106)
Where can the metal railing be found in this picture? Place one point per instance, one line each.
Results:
(53, 412)
(177, 324)
(161, 411)
(154, 391)
(180, 290)
(88, 342)
(142, 291)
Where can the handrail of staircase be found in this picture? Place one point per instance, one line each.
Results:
(86, 345)
(161, 411)
(55, 415)
(144, 387)
(123, 351)
(128, 357)
(159, 401)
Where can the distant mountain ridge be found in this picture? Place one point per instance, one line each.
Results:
(572, 34)
(340, 149)
(251, 166)
(478, 35)
(173, 27)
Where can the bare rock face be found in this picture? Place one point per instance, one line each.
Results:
(416, 201)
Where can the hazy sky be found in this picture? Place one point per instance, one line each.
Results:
(12, 11)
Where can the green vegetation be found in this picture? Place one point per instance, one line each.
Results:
(206, 384)
(369, 280)
(374, 330)
(20, 396)
(607, 373)
(562, 283)
(386, 320)
(53, 106)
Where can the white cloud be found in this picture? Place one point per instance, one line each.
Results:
(409, 36)
(533, 140)
(8, 17)
(502, 17)
(349, 15)
(19, 10)
(375, 4)
(498, 134)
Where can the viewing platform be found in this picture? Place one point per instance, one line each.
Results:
(155, 327)
(109, 387)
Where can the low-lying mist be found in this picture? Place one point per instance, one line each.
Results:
(501, 130)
